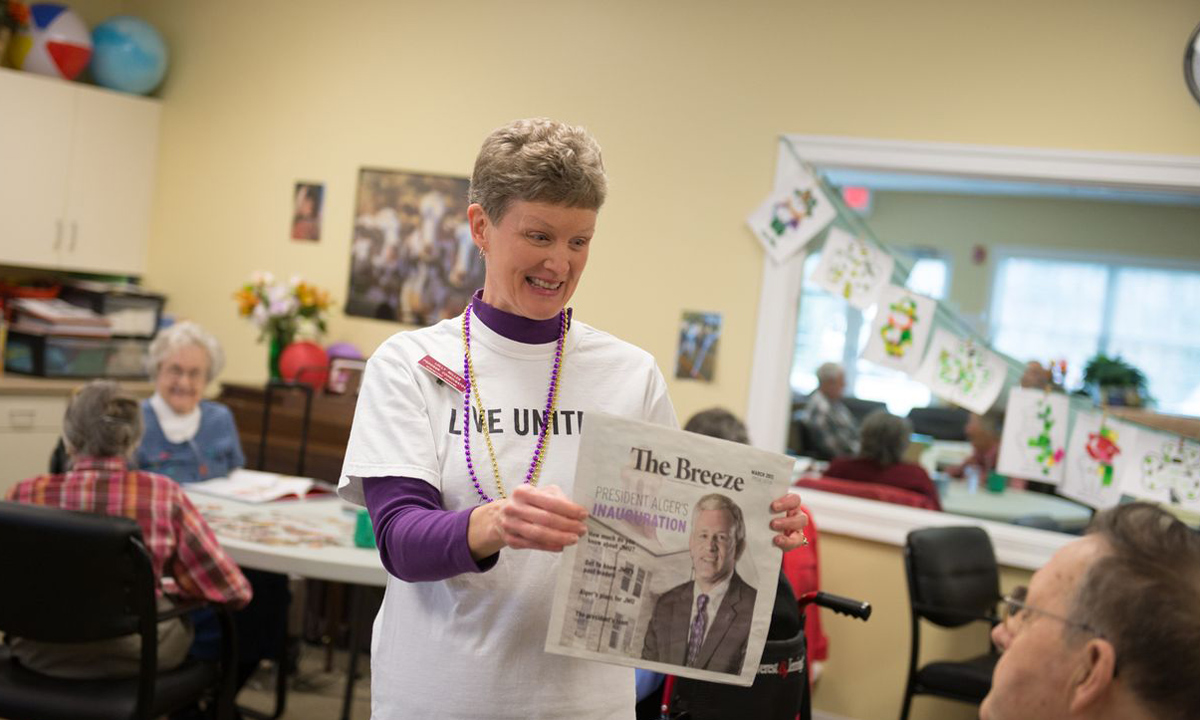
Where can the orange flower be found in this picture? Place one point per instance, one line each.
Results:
(246, 301)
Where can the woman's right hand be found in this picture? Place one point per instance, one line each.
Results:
(531, 518)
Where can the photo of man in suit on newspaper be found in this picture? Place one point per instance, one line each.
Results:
(705, 623)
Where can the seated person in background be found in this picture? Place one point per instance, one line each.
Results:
(187, 437)
(1036, 376)
(884, 438)
(983, 432)
(190, 439)
(102, 427)
(830, 424)
(1108, 629)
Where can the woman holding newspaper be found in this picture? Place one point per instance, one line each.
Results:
(456, 425)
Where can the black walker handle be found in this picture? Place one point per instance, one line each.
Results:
(841, 605)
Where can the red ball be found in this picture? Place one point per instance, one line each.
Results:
(304, 362)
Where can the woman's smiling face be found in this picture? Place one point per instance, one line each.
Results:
(535, 255)
(182, 377)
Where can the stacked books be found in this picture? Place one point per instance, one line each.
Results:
(56, 317)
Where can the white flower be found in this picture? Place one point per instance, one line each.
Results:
(259, 316)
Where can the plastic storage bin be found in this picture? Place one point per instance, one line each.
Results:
(57, 356)
(131, 311)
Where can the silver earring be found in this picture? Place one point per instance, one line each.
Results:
(482, 253)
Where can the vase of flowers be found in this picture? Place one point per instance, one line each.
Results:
(282, 311)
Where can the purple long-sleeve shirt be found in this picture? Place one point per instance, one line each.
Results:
(419, 540)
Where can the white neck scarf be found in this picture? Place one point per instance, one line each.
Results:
(177, 428)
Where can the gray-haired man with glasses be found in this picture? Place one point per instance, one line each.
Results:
(1126, 596)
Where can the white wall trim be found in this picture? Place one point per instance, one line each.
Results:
(1119, 170)
(1016, 546)
(822, 715)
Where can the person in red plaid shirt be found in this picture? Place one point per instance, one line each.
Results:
(102, 428)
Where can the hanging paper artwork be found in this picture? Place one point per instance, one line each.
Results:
(962, 371)
(1093, 453)
(1033, 444)
(852, 269)
(900, 330)
(793, 214)
(1161, 467)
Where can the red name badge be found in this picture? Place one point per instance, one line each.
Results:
(443, 373)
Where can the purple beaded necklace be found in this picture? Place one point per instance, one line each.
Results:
(472, 389)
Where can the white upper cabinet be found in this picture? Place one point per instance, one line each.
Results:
(78, 178)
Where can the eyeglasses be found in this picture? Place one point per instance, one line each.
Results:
(1016, 613)
(176, 372)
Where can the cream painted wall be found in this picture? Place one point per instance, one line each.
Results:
(868, 662)
(955, 224)
(687, 98)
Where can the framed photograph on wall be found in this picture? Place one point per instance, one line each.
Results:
(345, 375)
(411, 256)
(306, 211)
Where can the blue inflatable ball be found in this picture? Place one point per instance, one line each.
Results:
(128, 54)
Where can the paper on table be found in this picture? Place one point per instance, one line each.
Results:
(253, 486)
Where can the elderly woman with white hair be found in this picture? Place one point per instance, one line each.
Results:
(190, 439)
(187, 437)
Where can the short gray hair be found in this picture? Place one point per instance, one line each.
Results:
(538, 160)
(884, 437)
(180, 335)
(717, 501)
(102, 420)
(828, 371)
(1141, 597)
(719, 423)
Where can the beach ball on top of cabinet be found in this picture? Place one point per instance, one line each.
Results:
(128, 55)
(51, 40)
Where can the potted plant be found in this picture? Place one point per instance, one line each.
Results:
(280, 310)
(1112, 381)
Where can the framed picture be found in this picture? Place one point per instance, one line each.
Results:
(699, 337)
(306, 211)
(345, 375)
(411, 258)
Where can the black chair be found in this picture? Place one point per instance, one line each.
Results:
(952, 581)
(82, 577)
(860, 408)
(940, 423)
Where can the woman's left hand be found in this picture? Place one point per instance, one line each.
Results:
(789, 529)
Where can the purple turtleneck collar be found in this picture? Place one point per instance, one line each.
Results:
(515, 327)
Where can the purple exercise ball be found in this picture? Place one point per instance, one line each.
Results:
(344, 350)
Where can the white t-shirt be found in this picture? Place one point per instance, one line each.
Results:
(472, 646)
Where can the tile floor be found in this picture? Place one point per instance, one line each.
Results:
(314, 693)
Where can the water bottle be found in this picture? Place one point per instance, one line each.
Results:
(971, 473)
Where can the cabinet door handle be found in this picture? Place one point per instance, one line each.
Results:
(74, 235)
(21, 418)
(58, 234)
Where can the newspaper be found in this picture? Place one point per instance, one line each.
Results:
(662, 543)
